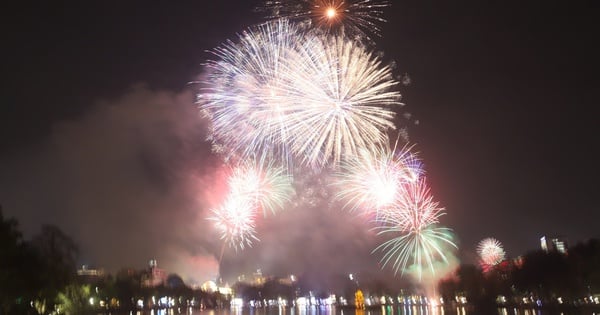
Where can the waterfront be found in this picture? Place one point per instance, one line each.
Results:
(384, 310)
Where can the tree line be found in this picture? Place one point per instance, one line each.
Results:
(538, 279)
(39, 276)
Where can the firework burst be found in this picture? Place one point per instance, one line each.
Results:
(244, 94)
(266, 186)
(415, 206)
(310, 96)
(359, 17)
(372, 181)
(419, 248)
(419, 242)
(281, 92)
(490, 253)
(253, 186)
(345, 98)
(235, 221)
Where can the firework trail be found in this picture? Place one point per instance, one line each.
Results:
(372, 181)
(281, 92)
(358, 17)
(490, 253)
(418, 241)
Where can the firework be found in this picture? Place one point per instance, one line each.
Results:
(253, 185)
(418, 241)
(244, 94)
(281, 92)
(262, 184)
(345, 98)
(490, 253)
(415, 207)
(235, 222)
(372, 180)
(419, 248)
(359, 17)
(307, 96)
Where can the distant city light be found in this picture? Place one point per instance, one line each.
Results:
(237, 302)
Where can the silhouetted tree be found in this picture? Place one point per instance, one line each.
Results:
(584, 260)
(545, 275)
(74, 299)
(174, 281)
(127, 288)
(274, 289)
(58, 254)
(471, 282)
(19, 264)
(247, 291)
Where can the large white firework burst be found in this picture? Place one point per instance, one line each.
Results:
(345, 98)
(244, 93)
(283, 93)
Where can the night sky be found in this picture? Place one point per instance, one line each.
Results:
(100, 134)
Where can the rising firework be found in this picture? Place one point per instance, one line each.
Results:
(359, 17)
(490, 253)
(418, 241)
(281, 92)
(372, 181)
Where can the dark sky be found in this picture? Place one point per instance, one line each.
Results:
(100, 136)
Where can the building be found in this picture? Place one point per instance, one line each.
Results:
(554, 244)
(88, 271)
(154, 276)
(257, 278)
(89, 274)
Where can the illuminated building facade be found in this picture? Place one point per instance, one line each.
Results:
(554, 244)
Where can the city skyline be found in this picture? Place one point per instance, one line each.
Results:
(500, 97)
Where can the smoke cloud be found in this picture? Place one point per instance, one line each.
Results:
(133, 179)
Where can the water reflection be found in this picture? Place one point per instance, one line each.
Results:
(332, 310)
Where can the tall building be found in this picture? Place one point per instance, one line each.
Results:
(554, 244)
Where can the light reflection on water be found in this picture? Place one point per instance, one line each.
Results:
(331, 310)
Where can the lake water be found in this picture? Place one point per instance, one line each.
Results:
(399, 310)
